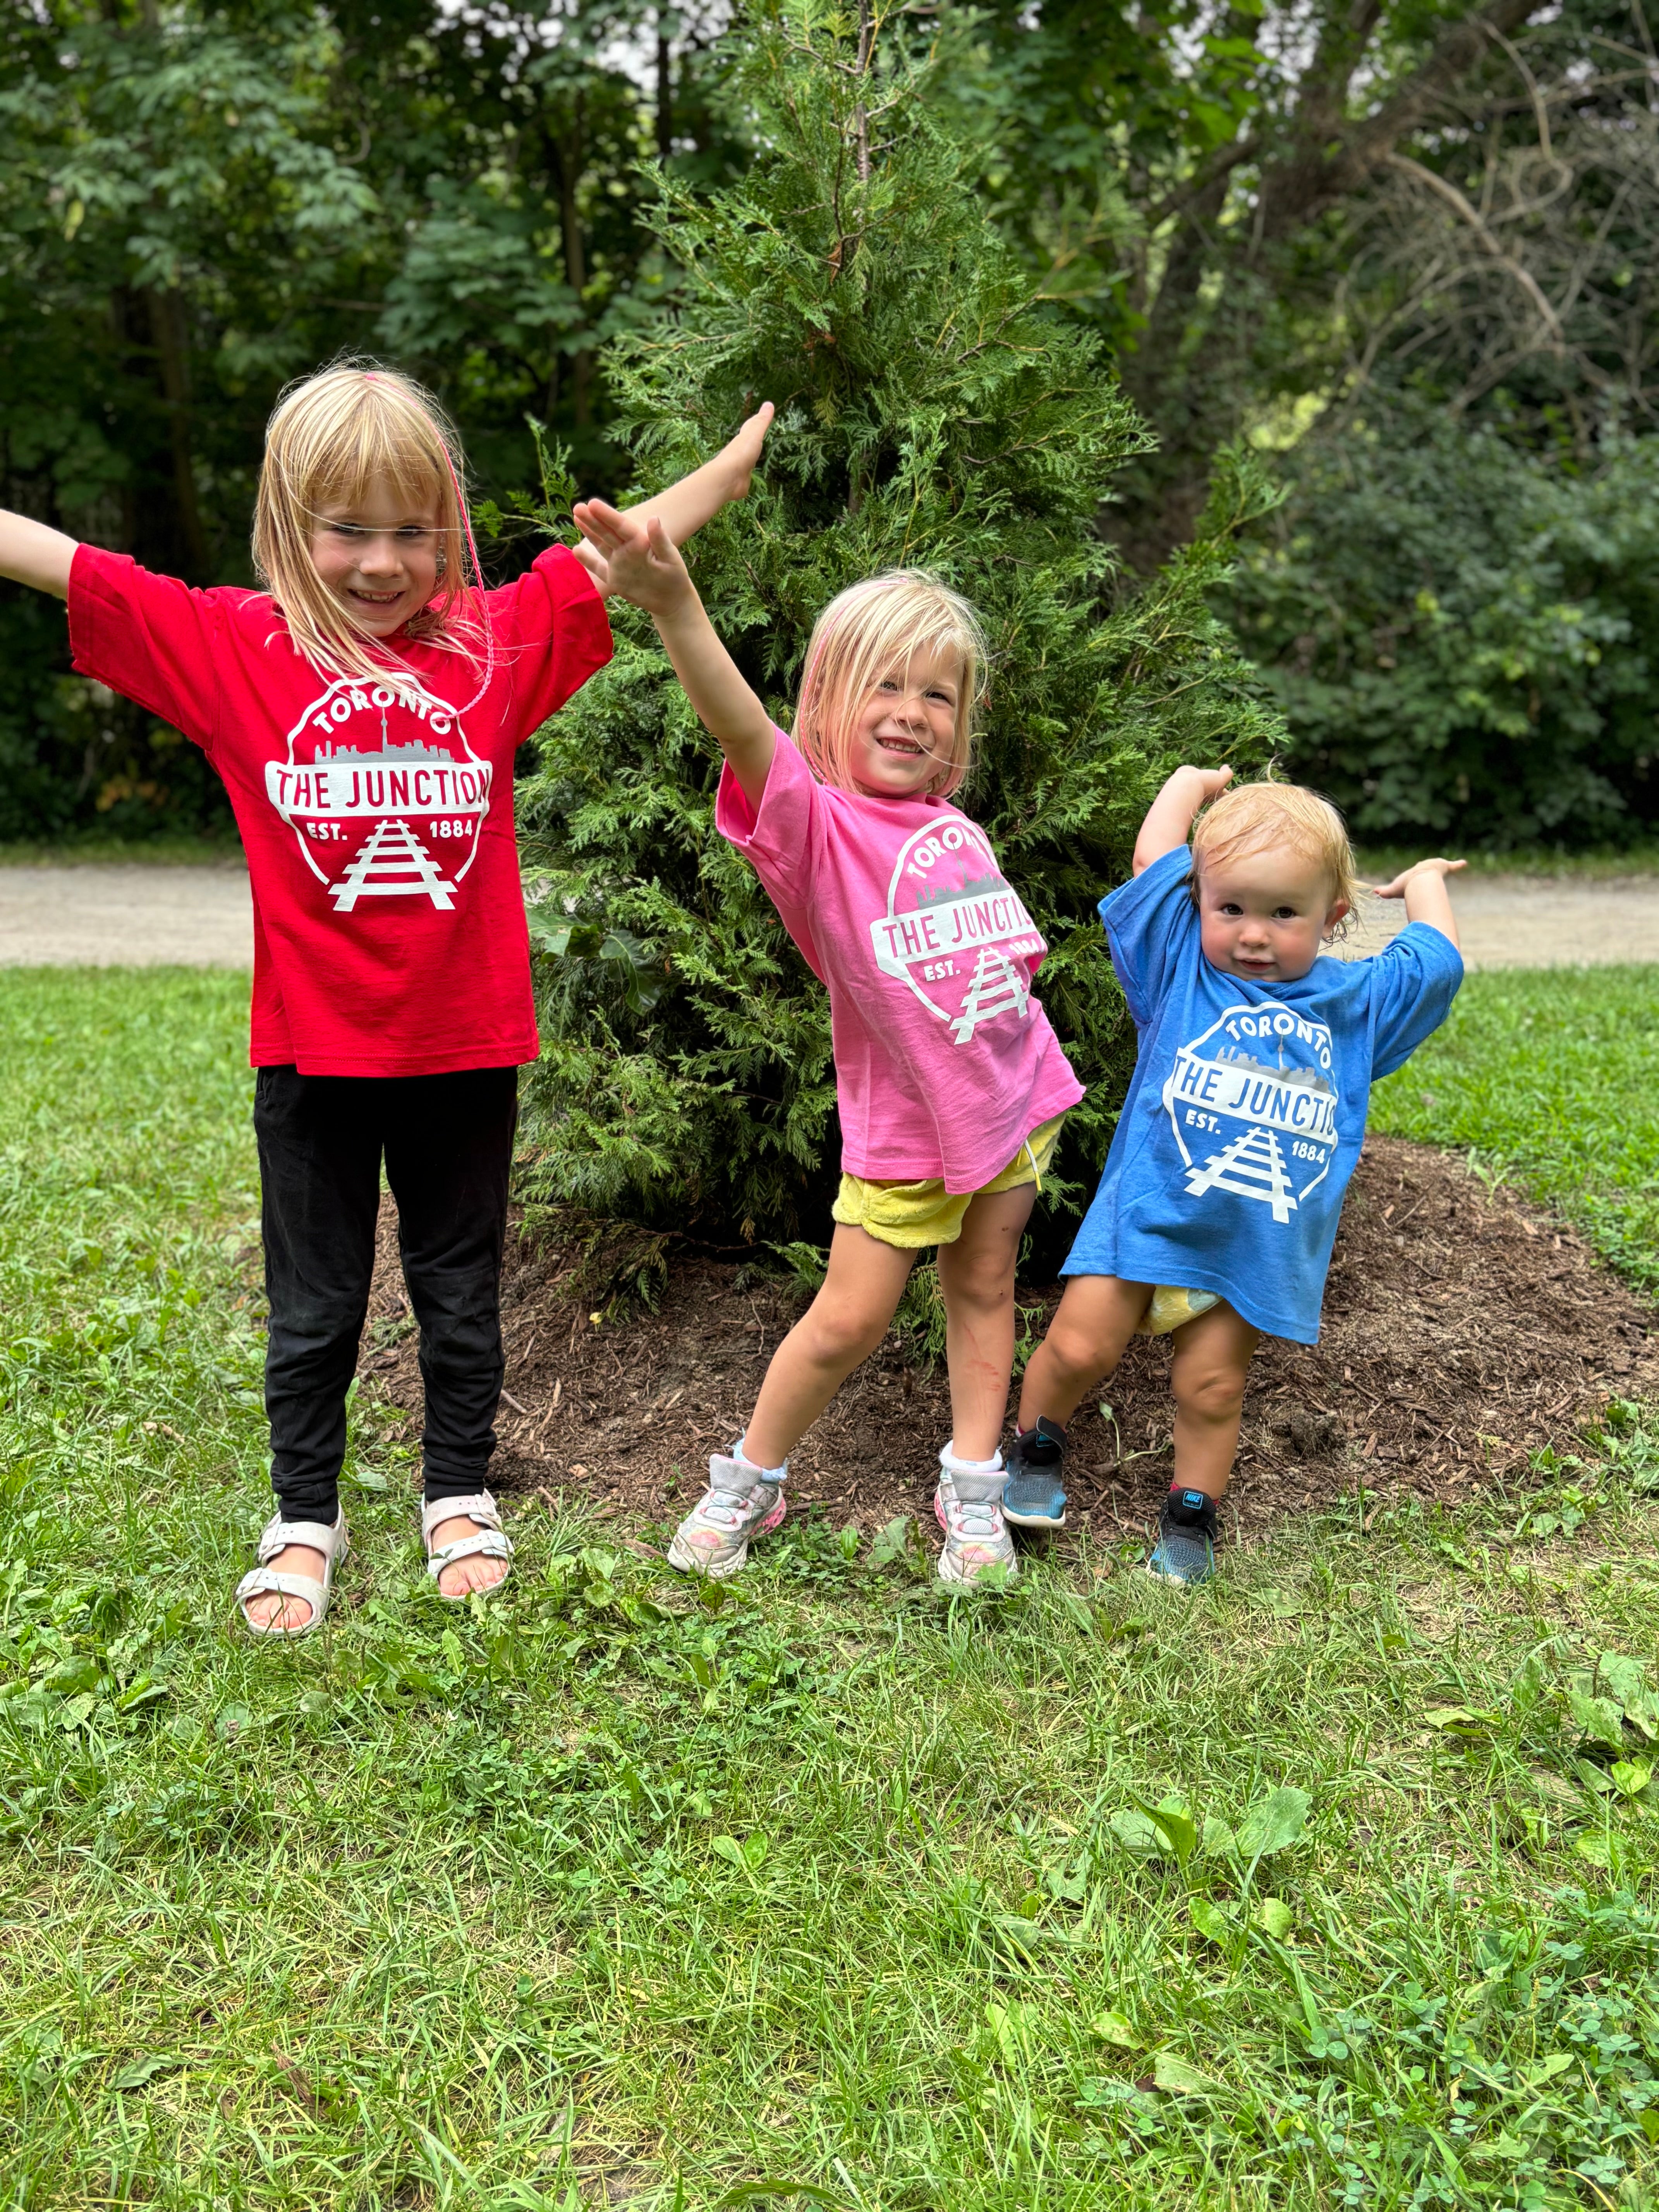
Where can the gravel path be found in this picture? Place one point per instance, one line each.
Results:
(201, 917)
(1535, 921)
(125, 917)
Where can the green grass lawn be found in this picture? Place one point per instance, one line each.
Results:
(1330, 1885)
(1552, 1077)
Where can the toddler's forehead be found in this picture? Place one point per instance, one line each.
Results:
(1269, 861)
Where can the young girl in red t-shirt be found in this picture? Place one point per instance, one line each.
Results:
(364, 711)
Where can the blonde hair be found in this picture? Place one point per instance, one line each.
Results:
(1248, 817)
(863, 634)
(331, 437)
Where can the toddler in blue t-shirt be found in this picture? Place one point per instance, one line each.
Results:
(1215, 1218)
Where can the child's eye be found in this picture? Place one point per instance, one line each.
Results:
(1285, 914)
(353, 530)
(413, 533)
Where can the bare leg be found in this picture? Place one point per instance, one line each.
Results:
(976, 1276)
(1098, 1315)
(841, 1327)
(1211, 1361)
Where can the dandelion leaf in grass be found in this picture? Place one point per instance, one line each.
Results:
(1273, 1824)
(1599, 1719)
(1274, 1917)
(1175, 2075)
(932, 412)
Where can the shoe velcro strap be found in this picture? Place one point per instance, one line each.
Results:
(487, 1544)
(315, 1535)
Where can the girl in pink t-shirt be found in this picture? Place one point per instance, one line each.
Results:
(950, 1081)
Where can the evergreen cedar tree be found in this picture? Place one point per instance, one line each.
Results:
(933, 412)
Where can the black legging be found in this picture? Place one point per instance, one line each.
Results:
(449, 1145)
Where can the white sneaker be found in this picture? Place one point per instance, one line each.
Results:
(738, 1505)
(969, 1510)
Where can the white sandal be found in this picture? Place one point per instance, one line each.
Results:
(491, 1541)
(264, 1581)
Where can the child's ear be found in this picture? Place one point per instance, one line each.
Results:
(1337, 913)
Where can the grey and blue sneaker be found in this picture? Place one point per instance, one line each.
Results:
(1036, 1494)
(1185, 1550)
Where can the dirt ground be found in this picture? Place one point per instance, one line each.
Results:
(1463, 1330)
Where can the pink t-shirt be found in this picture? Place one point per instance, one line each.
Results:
(945, 1062)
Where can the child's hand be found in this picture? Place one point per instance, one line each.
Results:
(1171, 816)
(638, 559)
(1416, 873)
(1212, 781)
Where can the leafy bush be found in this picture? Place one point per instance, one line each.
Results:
(1463, 635)
(931, 412)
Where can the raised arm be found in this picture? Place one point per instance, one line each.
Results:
(644, 565)
(30, 553)
(684, 507)
(1427, 899)
(1170, 817)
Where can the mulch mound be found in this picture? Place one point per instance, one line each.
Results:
(1463, 1330)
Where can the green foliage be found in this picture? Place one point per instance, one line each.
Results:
(1463, 637)
(930, 413)
(201, 199)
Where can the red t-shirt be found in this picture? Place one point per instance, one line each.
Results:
(389, 933)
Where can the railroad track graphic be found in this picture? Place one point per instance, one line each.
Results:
(996, 987)
(1252, 1166)
(393, 864)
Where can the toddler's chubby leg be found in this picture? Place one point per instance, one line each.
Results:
(1097, 1316)
(841, 1327)
(1211, 1363)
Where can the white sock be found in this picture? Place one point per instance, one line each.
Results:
(948, 1460)
(762, 1474)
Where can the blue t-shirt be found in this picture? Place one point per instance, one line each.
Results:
(1248, 1107)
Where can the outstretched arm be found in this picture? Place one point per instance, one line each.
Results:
(684, 507)
(643, 564)
(30, 553)
(1170, 817)
(1424, 890)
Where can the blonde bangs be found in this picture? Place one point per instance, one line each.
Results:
(1250, 816)
(331, 439)
(868, 632)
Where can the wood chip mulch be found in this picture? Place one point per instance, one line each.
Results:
(1464, 1328)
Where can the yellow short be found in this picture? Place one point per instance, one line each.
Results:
(1171, 1309)
(912, 1214)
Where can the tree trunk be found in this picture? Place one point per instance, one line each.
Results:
(665, 90)
(569, 154)
(170, 334)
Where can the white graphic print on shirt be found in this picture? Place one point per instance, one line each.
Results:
(954, 933)
(384, 794)
(1260, 1080)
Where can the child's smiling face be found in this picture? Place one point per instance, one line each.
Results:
(1263, 913)
(905, 732)
(378, 555)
